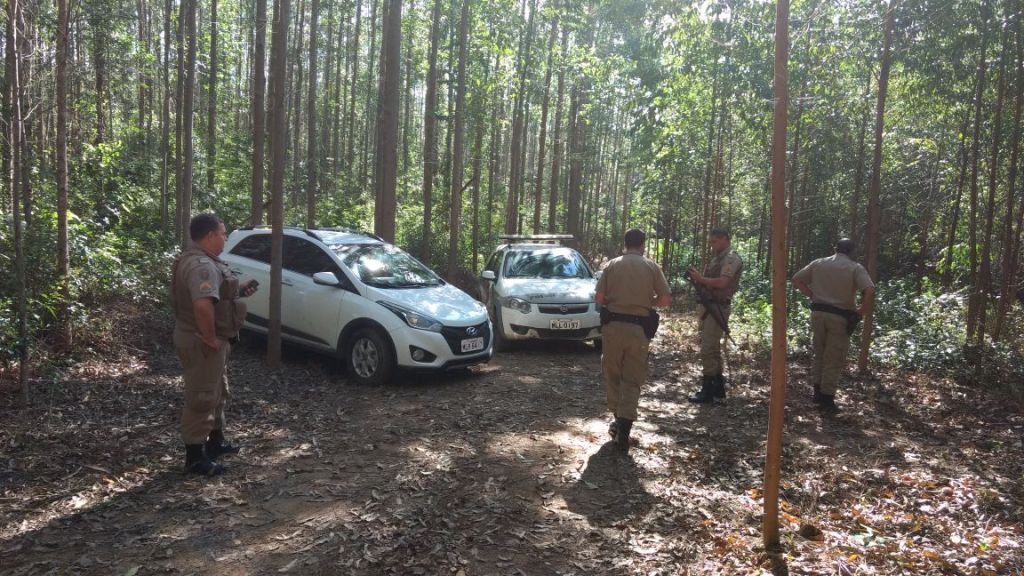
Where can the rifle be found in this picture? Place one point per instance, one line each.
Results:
(711, 306)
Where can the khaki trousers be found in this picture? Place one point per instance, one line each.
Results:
(624, 362)
(831, 344)
(711, 341)
(206, 390)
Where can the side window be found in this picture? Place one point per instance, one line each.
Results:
(256, 247)
(306, 258)
(494, 261)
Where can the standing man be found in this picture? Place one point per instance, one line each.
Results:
(722, 278)
(207, 315)
(628, 290)
(832, 284)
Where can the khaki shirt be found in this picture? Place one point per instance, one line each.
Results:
(835, 280)
(631, 283)
(198, 274)
(729, 264)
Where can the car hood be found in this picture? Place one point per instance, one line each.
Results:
(550, 290)
(446, 303)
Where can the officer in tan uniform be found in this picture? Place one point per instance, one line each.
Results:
(629, 288)
(207, 315)
(832, 283)
(722, 278)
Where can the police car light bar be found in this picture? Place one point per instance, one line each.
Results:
(552, 238)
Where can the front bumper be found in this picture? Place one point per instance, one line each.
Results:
(440, 351)
(537, 325)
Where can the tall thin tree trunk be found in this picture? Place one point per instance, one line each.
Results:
(17, 150)
(429, 133)
(515, 170)
(258, 114)
(312, 155)
(985, 278)
(278, 158)
(542, 139)
(954, 220)
(1008, 269)
(211, 113)
(165, 125)
(458, 150)
(974, 300)
(63, 256)
(875, 184)
(556, 150)
(187, 110)
(387, 121)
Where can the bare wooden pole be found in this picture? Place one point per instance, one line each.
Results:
(773, 455)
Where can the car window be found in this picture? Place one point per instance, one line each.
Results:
(546, 263)
(256, 247)
(304, 257)
(493, 261)
(385, 266)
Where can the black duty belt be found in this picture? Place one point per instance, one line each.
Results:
(820, 307)
(630, 318)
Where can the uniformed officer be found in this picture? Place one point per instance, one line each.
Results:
(629, 288)
(207, 315)
(722, 278)
(832, 284)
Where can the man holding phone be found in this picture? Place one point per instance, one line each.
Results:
(207, 317)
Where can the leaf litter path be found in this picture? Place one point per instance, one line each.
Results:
(504, 469)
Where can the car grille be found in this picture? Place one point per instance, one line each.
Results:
(454, 336)
(563, 308)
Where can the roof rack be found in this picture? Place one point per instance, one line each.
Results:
(537, 238)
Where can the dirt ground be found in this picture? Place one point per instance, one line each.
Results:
(504, 469)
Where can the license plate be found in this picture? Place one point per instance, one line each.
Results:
(565, 324)
(473, 344)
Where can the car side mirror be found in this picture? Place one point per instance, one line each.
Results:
(597, 275)
(488, 275)
(326, 279)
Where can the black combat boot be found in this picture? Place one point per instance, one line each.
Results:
(216, 446)
(818, 397)
(719, 386)
(623, 426)
(707, 391)
(827, 405)
(196, 462)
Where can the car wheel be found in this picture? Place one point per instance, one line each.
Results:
(501, 343)
(370, 359)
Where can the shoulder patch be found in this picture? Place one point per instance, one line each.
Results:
(204, 274)
(205, 287)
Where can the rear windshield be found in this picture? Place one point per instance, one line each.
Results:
(546, 263)
(385, 266)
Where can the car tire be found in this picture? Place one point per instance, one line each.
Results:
(501, 343)
(369, 359)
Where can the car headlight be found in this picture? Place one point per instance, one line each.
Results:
(516, 304)
(413, 318)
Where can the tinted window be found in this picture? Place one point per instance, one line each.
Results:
(305, 257)
(256, 247)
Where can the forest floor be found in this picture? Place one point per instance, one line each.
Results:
(504, 469)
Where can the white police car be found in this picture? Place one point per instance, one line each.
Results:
(355, 296)
(534, 287)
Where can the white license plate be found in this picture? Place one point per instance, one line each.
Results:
(565, 324)
(473, 344)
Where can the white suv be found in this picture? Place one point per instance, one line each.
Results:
(355, 296)
(536, 288)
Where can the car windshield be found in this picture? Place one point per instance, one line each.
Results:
(546, 263)
(385, 266)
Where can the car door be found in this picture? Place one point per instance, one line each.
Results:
(250, 259)
(487, 286)
(316, 308)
